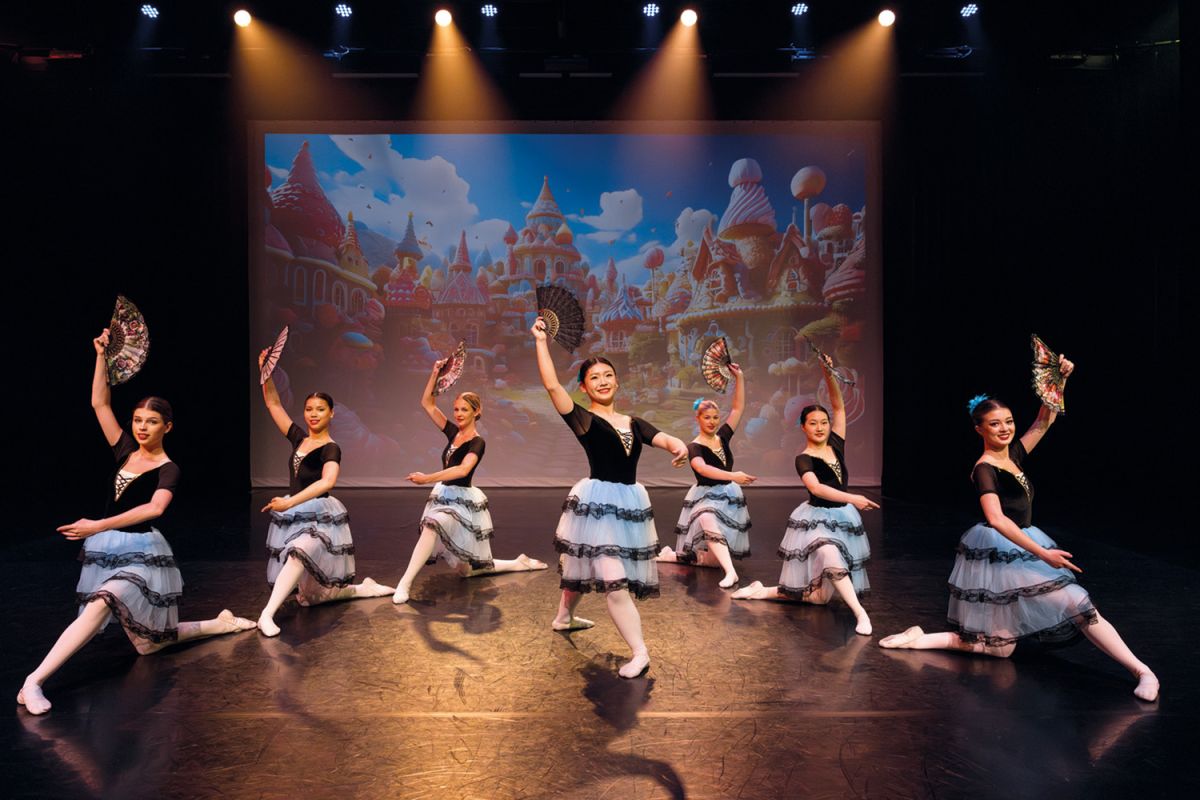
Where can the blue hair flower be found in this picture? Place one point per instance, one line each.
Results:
(696, 405)
(974, 402)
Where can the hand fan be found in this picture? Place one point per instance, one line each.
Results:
(450, 371)
(268, 365)
(827, 361)
(714, 364)
(1048, 380)
(128, 342)
(563, 315)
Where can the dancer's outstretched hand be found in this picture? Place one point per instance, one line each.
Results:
(101, 342)
(1065, 366)
(437, 365)
(80, 529)
(262, 357)
(1059, 559)
(864, 503)
(539, 329)
(279, 504)
(742, 479)
(419, 478)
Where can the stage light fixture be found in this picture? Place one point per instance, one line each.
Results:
(242, 18)
(799, 10)
(650, 10)
(969, 10)
(489, 10)
(887, 18)
(150, 11)
(442, 17)
(688, 17)
(344, 11)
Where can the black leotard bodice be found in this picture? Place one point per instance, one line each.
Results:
(1016, 496)
(602, 443)
(476, 446)
(309, 468)
(826, 474)
(695, 449)
(141, 489)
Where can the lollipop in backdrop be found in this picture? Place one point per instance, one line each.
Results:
(128, 342)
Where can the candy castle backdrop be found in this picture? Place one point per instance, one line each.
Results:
(382, 250)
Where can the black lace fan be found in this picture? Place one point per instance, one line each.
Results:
(273, 354)
(714, 364)
(1048, 380)
(451, 370)
(827, 361)
(563, 315)
(128, 342)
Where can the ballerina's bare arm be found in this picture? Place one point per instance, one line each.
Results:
(83, 528)
(329, 476)
(427, 398)
(102, 393)
(739, 397)
(274, 405)
(994, 514)
(449, 474)
(707, 470)
(1045, 416)
(558, 395)
(672, 445)
(838, 421)
(818, 489)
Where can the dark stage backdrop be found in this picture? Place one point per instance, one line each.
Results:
(382, 247)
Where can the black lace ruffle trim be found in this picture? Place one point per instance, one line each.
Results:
(318, 574)
(636, 588)
(333, 550)
(1011, 595)
(460, 553)
(802, 593)
(445, 500)
(601, 510)
(1057, 634)
(321, 518)
(727, 521)
(994, 555)
(152, 597)
(589, 551)
(803, 553)
(688, 555)
(114, 560)
(737, 501)
(835, 525)
(125, 617)
(480, 533)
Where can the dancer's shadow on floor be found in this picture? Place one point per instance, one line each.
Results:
(593, 753)
(444, 600)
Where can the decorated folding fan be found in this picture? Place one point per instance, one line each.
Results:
(1048, 380)
(827, 360)
(128, 342)
(451, 370)
(715, 365)
(273, 354)
(563, 315)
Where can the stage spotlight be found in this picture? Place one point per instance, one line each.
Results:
(149, 11)
(242, 18)
(969, 10)
(344, 11)
(650, 10)
(443, 18)
(800, 9)
(688, 17)
(489, 10)
(887, 18)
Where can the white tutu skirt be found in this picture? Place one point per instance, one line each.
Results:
(460, 517)
(317, 533)
(822, 545)
(713, 514)
(1000, 593)
(136, 576)
(606, 539)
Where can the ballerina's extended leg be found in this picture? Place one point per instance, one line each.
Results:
(1102, 634)
(521, 563)
(565, 619)
(420, 555)
(287, 580)
(77, 634)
